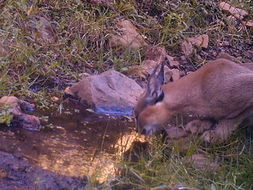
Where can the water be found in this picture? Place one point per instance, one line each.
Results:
(74, 143)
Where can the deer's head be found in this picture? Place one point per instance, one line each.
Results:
(150, 111)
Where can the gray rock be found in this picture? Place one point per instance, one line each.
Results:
(109, 92)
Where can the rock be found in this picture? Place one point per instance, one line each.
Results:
(223, 43)
(137, 71)
(18, 109)
(108, 92)
(200, 41)
(55, 99)
(202, 162)
(127, 36)
(249, 23)
(154, 56)
(187, 46)
(238, 13)
(156, 53)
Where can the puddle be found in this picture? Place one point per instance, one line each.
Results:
(78, 143)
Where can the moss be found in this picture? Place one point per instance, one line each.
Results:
(5, 115)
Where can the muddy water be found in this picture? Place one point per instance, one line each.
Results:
(74, 143)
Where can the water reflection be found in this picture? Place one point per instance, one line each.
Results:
(78, 144)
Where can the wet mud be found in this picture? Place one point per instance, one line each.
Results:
(72, 146)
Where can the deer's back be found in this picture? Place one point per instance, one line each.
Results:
(220, 88)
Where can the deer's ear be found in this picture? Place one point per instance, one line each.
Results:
(156, 80)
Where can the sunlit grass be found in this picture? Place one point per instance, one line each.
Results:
(162, 167)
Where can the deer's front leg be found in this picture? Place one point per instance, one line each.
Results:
(192, 128)
(197, 127)
(225, 128)
(221, 132)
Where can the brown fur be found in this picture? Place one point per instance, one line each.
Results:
(221, 90)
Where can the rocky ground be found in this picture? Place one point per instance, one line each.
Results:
(17, 173)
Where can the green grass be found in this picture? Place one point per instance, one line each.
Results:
(5, 115)
(78, 37)
(162, 167)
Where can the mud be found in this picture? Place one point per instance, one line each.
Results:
(72, 146)
(18, 173)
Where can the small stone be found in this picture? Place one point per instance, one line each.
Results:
(187, 46)
(55, 99)
(127, 36)
(154, 56)
(223, 43)
(238, 13)
(76, 110)
(157, 54)
(200, 41)
(89, 110)
(249, 23)
(18, 108)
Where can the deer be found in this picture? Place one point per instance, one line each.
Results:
(220, 94)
